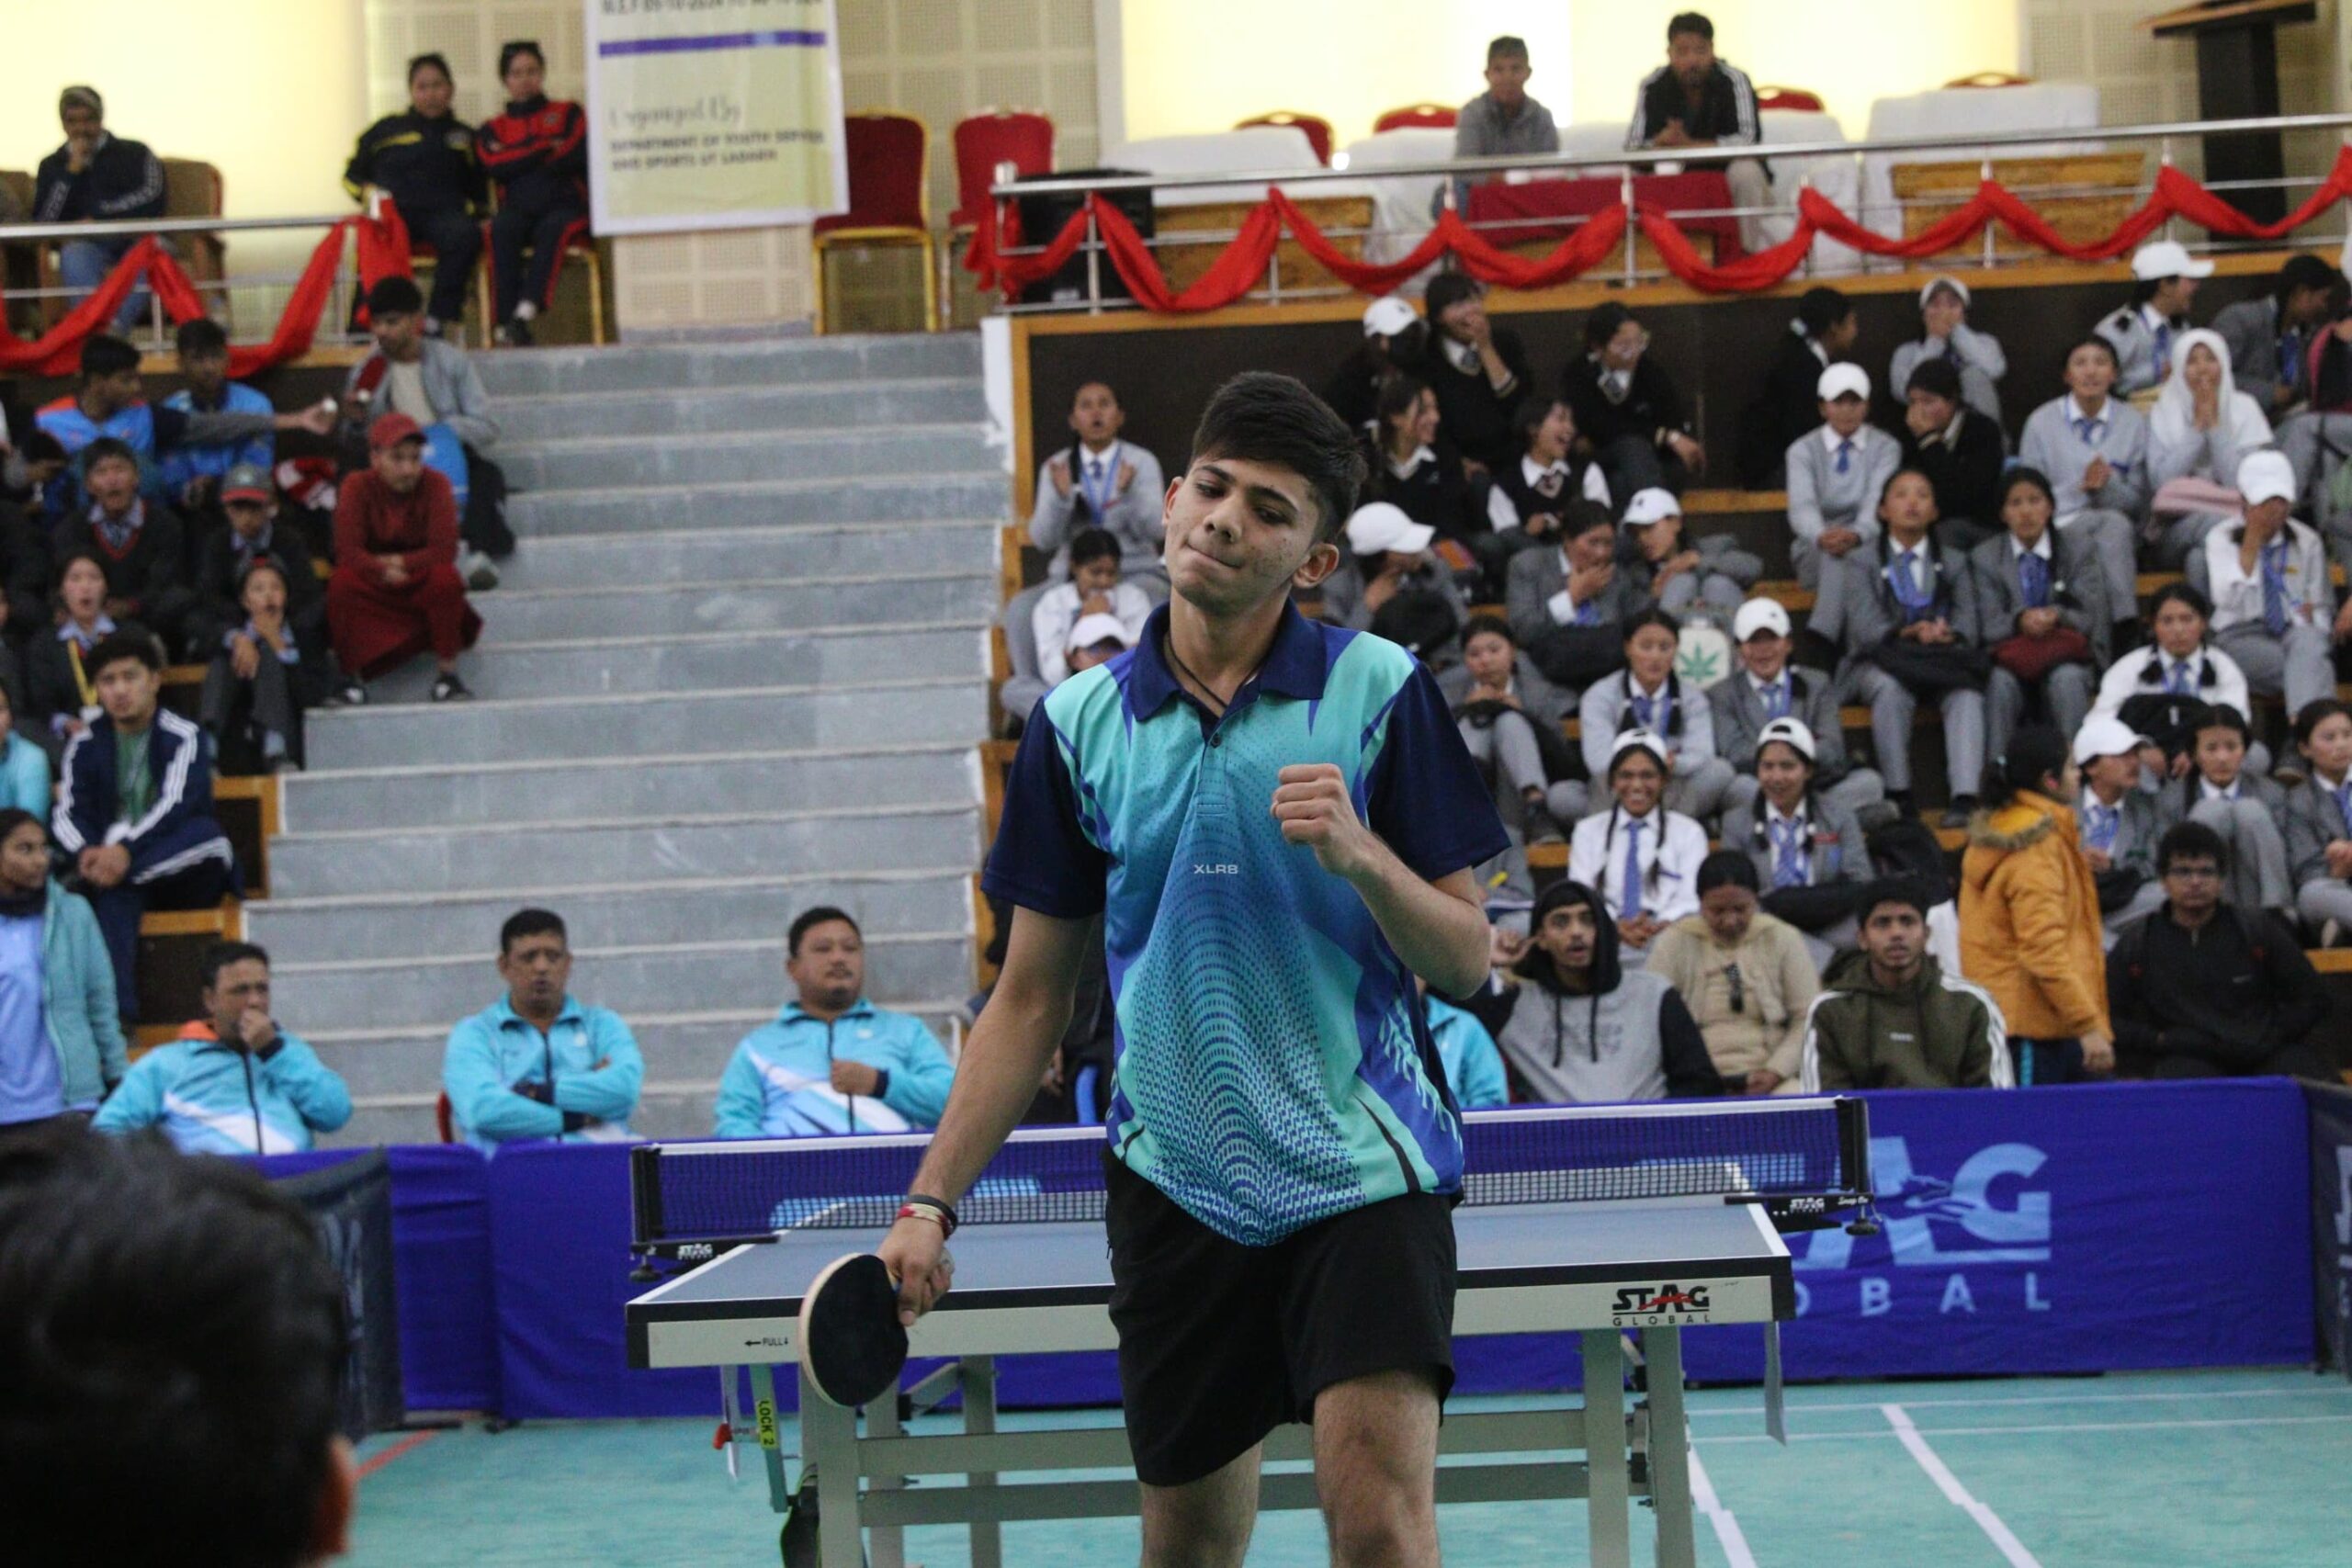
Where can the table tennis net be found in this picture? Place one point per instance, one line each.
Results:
(1769, 1148)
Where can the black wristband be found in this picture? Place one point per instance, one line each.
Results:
(946, 1210)
(573, 1121)
(270, 1051)
(881, 1083)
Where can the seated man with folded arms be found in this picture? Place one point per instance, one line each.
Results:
(2094, 448)
(1890, 1017)
(1767, 686)
(1835, 472)
(2205, 988)
(1099, 481)
(1503, 121)
(538, 1063)
(234, 1082)
(1697, 101)
(833, 1062)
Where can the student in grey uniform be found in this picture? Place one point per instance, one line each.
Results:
(2117, 822)
(1101, 482)
(2319, 821)
(1766, 687)
(1568, 602)
(1679, 573)
(2147, 332)
(1647, 694)
(2274, 612)
(2035, 584)
(2224, 790)
(1808, 852)
(2094, 448)
(1910, 638)
(1835, 474)
(2202, 427)
(1975, 356)
(1510, 718)
(2270, 337)
(1388, 567)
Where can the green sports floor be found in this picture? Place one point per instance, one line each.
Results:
(2196, 1470)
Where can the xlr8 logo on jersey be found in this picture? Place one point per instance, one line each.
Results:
(1660, 1302)
(1222, 868)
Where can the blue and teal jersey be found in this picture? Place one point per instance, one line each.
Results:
(1274, 1065)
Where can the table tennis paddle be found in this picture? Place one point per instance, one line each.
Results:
(851, 1340)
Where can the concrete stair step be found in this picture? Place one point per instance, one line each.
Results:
(759, 504)
(601, 854)
(651, 609)
(642, 413)
(720, 555)
(744, 457)
(395, 1074)
(433, 925)
(619, 787)
(766, 362)
(669, 977)
(779, 717)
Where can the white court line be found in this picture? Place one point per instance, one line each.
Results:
(1958, 1496)
(2044, 1427)
(1808, 1407)
(1728, 1534)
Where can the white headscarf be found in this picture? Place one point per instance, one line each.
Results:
(2173, 421)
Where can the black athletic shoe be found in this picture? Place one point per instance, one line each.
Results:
(351, 694)
(450, 689)
(517, 332)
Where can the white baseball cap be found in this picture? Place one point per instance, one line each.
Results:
(1791, 732)
(1649, 505)
(1759, 616)
(1382, 526)
(2105, 736)
(1637, 740)
(1841, 378)
(1099, 627)
(1942, 280)
(1387, 316)
(2167, 258)
(2265, 476)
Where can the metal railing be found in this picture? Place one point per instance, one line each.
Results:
(1623, 165)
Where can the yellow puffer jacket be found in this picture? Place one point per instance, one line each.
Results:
(2028, 919)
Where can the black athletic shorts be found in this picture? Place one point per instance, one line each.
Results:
(1220, 1343)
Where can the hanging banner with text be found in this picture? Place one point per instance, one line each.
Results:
(713, 114)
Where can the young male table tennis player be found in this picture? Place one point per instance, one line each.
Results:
(1276, 821)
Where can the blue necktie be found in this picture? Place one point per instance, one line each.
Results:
(1653, 713)
(2176, 681)
(1776, 699)
(2290, 357)
(2090, 429)
(2033, 581)
(1588, 613)
(2164, 350)
(2104, 821)
(2344, 802)
(2274, 586)
(1903, 578)
(1788, 854)
(1630, 895)
(1845, 456)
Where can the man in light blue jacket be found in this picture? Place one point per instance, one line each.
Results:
(234, 1083)
(537, 1063)
(833, 1062)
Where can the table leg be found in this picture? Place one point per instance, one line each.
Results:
(1669, 1456)
(977, 1378)
(882, 1421)
(1608, 1469)
(829, 1441)
(766, 1425)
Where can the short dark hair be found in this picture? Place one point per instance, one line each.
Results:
(1908, 891)
(1689, 22)
(14, 816)
(1601, 324)
(103, 353)
(1822, 308)
(40, 446)
(434, 58)
(201, 335)
(809, 920)
(1476, 626)
(2188, 840)
(2144, 289)
(2023, 474)
(1936, 378)
(2096, 341)
(1652, 616)
(1260, 417)
(1728, 868)
(1888, 487)
(1582, 515)
(530, 922)
(2036, 752)
(2303, 270)
(1509, 46)
(220, 954)
(106, 446)
(2221, 716)
(1448, 290)
(1398, 393)
(181, 1298)
(130, 642)
(395, 297)
(2180, 593)
(2313, 714)
(1532, 411)
(1093, 545)
(66, 565)
(509, 53)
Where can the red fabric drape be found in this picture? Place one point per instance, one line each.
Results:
(382, 252)
(1238, 268)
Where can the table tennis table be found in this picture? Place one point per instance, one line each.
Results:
(1619, 1224)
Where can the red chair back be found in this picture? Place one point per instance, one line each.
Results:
(1416, 117)
(1020, 137)
(889, 156)
(1787, 99)
(1318, 128)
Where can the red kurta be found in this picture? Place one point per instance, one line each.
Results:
(377, 624)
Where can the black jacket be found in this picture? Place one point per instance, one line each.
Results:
(1435, 492)
(149, 573)
(217, 611)
(1967, 473)
(1785, 407)
(2232, 992)
(23, 573)
(1727, 111)
(124, 180)
(1651, 408)
(427, 164)
(1475, 417)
